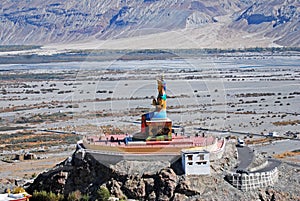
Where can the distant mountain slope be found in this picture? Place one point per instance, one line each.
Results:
(52, 21)
(279, 19)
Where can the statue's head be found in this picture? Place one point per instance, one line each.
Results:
(160, 87)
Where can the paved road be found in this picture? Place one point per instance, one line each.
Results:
(278, 147)
(245, 155)
(244, 133)
(272, 163)
(293, 164)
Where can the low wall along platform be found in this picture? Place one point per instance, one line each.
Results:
(252, 181)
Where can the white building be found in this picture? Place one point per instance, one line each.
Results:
(195, 162)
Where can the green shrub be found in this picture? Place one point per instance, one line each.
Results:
(85, 198)
(33, 175)
(46, 196)
(74, 196)
(123, 198)
(103, 194)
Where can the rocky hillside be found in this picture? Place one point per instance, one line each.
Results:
(276, 19)
(168, 183)
(51, 21)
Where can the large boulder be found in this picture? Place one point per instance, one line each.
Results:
(134, 187)
(82, 173)
(166, 184)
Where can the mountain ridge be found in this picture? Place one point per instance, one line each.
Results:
(267, 23)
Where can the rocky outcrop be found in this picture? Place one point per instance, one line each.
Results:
(198, 19)
(82, 172)
(270, 195)
(86, 174)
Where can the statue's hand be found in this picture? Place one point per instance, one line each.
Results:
(154, 102)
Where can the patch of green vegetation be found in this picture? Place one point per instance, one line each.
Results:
(12, 128)
(33, 175)
(25, 140)
(239, 50)
(49, 196)
(38, 76)
(130, 54)
(74, 196)
(14, 135)
(7, 48)
(46, 196)
(103, 193)
(89, 52)
(39, 118)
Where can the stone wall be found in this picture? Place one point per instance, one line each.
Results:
(252, 181)
(218, 153)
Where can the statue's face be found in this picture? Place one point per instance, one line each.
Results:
(160, 88)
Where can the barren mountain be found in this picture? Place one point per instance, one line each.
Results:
(237, 23)
(275, 19)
